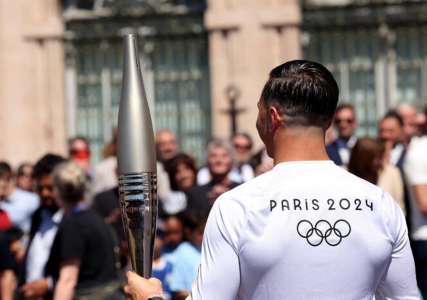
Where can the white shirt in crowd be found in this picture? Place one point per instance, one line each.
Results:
(39, 251)
(244, 174)
(20, 206)
(306, 230)
(416, 173)
(345, 152)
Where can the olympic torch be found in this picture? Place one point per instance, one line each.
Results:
(136, 163)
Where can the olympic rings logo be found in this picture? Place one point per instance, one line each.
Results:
(323, 231)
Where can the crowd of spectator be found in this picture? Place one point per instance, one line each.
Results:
(61, 233)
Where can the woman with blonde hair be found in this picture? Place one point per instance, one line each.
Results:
(83, 263)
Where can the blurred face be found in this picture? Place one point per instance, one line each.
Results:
(25, 180)
(196, 237)
(166, 144)
(409, 116)
(184, 177)
(242, 147)
(421, 122)
(80, 153)
(45, 191)
(345, 122)
(174, 232)
(5, 187)
(390, 131)
(219, 161)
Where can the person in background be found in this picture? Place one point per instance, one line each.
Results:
(390, 132)
(17, 203)
(162, 268)
(33, 280)
(105, 172)
(416, 175)
(83, 263)
(79, 152)
(166, 149)
(7, 269)
(261, 162)
(367, 162)
(408, 112)
(420, 121)
(219, 165)
(166, 145)
(173, 233)
(107, 205)
(346, 123)
(182, 173)
(24, 177)
(186, 258)
(242, 144)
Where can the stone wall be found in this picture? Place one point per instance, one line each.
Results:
(247, 38)
(32, 117)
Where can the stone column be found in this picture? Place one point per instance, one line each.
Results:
(32, 117)
(247, 38)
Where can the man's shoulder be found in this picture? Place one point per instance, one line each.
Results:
(248, 191)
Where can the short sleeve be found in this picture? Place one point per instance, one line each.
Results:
(72, 241)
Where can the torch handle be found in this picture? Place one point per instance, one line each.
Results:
(138, 202)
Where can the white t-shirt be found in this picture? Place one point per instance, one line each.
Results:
(306, 230)
(416, 174)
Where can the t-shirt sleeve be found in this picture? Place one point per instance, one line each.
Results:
(219, 273)
(72, 242)
(399, 281)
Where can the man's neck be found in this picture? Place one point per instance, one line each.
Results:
(299, 144)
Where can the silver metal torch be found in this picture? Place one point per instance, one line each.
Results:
(136, 163)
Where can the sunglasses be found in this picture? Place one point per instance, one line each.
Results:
(80, 154)
(348, 121)
(243, 147)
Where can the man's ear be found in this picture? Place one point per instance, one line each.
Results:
(275, 117)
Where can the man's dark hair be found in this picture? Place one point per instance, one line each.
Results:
(5, 170)
(46, 164)
(305, 91)
(392, 114)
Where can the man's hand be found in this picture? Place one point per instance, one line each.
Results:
(140, 288)
(35, 289)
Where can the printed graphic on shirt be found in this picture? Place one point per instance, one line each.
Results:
(314, 204)
(323, 231)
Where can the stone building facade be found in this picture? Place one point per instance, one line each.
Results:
(60, 63)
